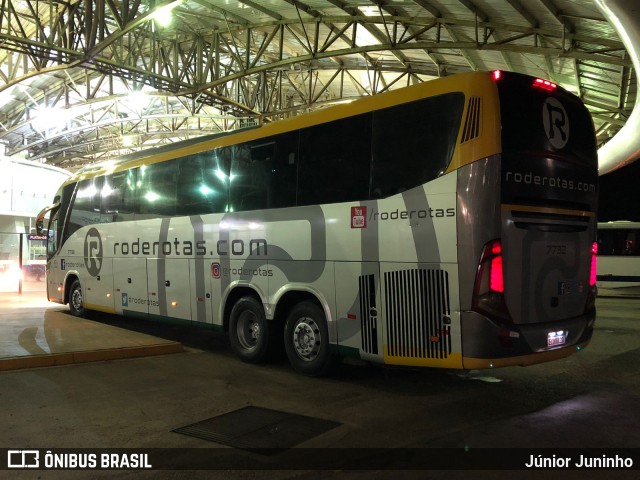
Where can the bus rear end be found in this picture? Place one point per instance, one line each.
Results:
(531, 232)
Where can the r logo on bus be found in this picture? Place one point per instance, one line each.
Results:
(555, 122)
(93, 252)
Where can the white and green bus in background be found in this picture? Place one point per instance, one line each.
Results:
(446, 224)
(619, 258)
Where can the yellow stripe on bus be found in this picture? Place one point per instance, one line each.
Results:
(100, 308)
(453, 360)
(471, 363)
(548, 210)
(473, 84)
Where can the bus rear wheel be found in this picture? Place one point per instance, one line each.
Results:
(76, 300)
(249, 333)
(306, 341)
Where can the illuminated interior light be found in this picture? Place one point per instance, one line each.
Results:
(129, 140)
(106, 190)
(205, 190)
(137, 101)
(108, 295)
(49, 118)
(151, 196)
(497, 74)
(174, 304)
(163, 15)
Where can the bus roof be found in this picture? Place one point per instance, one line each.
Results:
(470, 83)
(618, 225)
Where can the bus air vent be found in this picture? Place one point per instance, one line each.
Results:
(472, 122)
(368, 314)
(417, 302)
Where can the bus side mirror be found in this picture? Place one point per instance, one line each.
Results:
(41, 216)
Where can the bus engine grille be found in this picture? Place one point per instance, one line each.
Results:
(417, 304)
(368, 314)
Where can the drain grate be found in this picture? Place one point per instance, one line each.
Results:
(258, 429)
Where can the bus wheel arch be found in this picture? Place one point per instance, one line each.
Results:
(253, 338)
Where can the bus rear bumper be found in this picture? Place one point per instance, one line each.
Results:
(486, 344)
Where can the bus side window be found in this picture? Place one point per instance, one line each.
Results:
(335, 161)
(85, 209)
(279, 162)
(53, 234)
(157, 191)
(631, 246)
(413, 143)
(248, 184)
(65, 205)
(117, 197)
(200, 189)
(618, 242)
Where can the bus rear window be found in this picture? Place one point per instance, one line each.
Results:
(539, 117)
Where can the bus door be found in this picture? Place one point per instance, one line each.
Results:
(99, 287)
(169, 288)
(203, 297)
(130, 286)
(358, 309)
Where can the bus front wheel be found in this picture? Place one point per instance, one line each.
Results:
(249, 331)
(306, 340)
(76, 300)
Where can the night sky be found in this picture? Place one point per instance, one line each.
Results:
(620, 194)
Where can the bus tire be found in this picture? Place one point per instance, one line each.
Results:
(306, 341)
(76, 300)
(249, 331)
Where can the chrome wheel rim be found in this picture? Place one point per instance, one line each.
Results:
(76, 299)
(307, 338)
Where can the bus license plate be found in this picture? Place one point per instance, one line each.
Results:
(555, 339)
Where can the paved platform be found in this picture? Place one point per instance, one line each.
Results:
(37, 333)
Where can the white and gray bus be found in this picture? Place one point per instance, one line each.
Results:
(619, 257)
(446, 224)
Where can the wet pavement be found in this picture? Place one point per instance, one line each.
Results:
(588, 401)
(37, 333)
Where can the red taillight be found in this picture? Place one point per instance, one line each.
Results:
(496, 74)
(594, 264)
(496, 279)
(544, 84)
(593, 289)
(488, 294)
